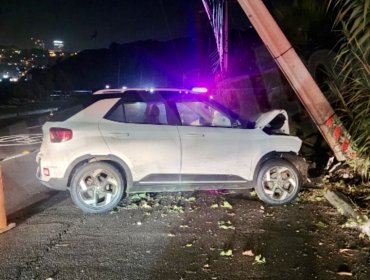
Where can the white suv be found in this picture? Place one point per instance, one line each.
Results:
(137, 140)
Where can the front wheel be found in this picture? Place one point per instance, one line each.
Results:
(278, 182)
(97, 187)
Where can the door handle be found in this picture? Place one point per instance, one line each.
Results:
(195, 135)
(119, 134)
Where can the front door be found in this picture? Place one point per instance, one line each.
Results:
(211, 147)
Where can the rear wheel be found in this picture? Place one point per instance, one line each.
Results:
(278, 182)
(97, 187)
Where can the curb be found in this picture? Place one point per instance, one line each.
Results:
(356, 220)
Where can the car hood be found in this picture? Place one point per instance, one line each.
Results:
(274, 121)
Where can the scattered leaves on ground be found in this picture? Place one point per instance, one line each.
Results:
(259, 259)
(225, 225)
(248, 253)
(176, 209)
(226, 205)
(344, 273)
(321, 224)
(191, 199)
(227, 253)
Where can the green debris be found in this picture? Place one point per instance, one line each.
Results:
(226, 205)
(253, 193)
(145, 205)
(214, 206)
(143, 195)
(138, 197)
(321, 224)
(362, 219)
(191, 199)
(176, 209)
(225, 225)
(189, 245)
(259, 260)
(362, 235)
(227, 253)
(135, 197)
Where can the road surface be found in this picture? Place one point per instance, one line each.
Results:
(204, 235)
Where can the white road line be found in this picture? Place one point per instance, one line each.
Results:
(24, 153)
(20, 140)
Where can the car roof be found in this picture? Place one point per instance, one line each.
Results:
(148, 94)
(142, 90)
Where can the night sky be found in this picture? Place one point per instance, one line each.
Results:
(87, 24)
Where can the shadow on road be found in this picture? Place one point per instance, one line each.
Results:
(51, 199)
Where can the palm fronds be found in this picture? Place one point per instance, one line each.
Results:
(351, 75)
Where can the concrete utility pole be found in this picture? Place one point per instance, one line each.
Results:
(299, 77)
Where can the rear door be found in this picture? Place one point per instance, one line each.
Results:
(140, 133)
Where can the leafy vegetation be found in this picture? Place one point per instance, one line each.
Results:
(350, 79)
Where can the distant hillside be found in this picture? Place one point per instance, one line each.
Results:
(183, 62)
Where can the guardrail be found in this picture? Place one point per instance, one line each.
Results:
(28, 113)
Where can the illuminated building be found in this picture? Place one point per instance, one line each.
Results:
(58, 45)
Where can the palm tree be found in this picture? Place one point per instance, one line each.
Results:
(351, 75)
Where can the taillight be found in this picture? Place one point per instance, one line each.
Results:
(58, 134)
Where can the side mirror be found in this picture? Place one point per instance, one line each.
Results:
(236, 124)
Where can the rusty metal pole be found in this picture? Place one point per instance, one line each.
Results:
(3, 222)
(299, 77)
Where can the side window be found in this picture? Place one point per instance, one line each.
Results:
(146, 113)
(117, 115)
(195, 113)
(139, 112)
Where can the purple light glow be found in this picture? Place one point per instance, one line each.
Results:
(199, 89)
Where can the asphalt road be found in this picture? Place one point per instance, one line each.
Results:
(19, 143)
(173, 236)
(177, 237)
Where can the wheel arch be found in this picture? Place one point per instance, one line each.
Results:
(111, 159)
(298, 162)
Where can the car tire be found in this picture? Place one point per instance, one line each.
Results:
(278, 182)
(97, 187)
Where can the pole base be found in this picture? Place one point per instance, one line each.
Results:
(9, 227)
